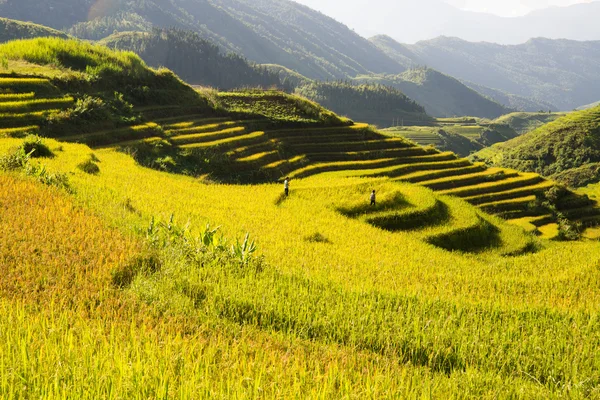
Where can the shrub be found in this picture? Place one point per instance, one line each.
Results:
(317, 238)
(14, 160)
(35, 148)
(89, 167)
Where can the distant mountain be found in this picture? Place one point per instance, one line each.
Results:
(559, 73)
(567, 149)
(195, 60)
(264, 31)
(375, 104)
(513, 101)
(441, 95)
(413, 21)
(11, 30)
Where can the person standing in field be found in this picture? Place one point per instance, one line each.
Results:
(286, 186)
(373, 198)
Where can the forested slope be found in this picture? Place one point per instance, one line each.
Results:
(376, 104)
(265, 31)
(567, 149)
(195, 60)
(441, 95)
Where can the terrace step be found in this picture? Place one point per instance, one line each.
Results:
(107, 138)
(263, 158)
(404, 170)
(549, 231)
(319, 131)
(32, 105)
(355, 145)
(12, 120)
(189, 121)
(180, 129)
(513, 204)
(250, 150)
(503, 185)
(42, 87)
(19, 132)
(368, 154)
(231, 142)
(422, 176)
(16, 97)
(208, 136)
(510, 194)
(457, 182)
(149, 140)
(381, 163)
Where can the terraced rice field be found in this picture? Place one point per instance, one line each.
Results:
(25, 103)
(339, 151)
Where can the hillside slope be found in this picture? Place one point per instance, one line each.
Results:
(441, 95)
(559, 72)
(12, 30)
(266, 31)
(566, 149)
(197, 61)
(374, 104)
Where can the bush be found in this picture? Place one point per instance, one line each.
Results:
(14, 160)
(35, 148)
(89, 167)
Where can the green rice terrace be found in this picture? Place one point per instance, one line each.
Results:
(260, 146)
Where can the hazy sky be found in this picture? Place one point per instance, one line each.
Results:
(510, 7)
(498, 7)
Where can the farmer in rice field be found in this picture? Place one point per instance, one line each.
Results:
(373, 199)
(286, 186)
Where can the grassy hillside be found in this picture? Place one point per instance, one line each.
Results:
(119, 283)
(12, 30)
(566, 149)
(441, 95)
(288, 77)
(560, 73)
(374, 104)
(523, 122)
(197, 61)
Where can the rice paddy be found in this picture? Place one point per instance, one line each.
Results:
(118, 289)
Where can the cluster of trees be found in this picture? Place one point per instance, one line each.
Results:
(441, 95)
(100, 28)
(195, 60)
(376, 104)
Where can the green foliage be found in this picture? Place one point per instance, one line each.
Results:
(19, 160)
(34, 146)
(441, 95)
(566, 144)
(89, 167)
(278, 107)
(104, 26)
(195, 60)
(95, 60)
(14, 30)
(374, 104)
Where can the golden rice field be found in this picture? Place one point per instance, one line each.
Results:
(334, 307)
(116, 284)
